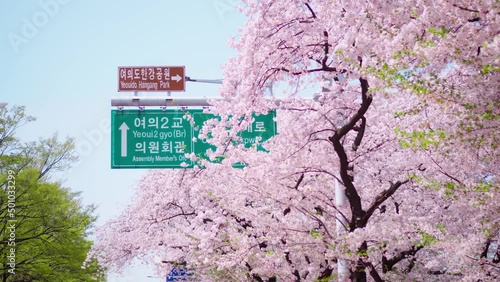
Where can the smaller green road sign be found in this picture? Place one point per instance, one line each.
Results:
(160, 139)
(262, 128)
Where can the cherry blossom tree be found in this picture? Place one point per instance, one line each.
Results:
(406, 122)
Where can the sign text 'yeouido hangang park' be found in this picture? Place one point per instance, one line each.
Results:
(153, 78)
(162, 138)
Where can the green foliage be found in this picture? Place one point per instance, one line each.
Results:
(441, 32)
(415, 177)
(441, 227)
(489, 115)
(420, 139)
(449, 188)
(426, 239)
(428, 43)
(316, 234)
(489, 69)
(363, 253)
(326, 279)
(398, 114)
(483, 187)
(400, 54)
(51, 225)
(401, 76)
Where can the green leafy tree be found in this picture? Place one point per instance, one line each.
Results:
(44, 226)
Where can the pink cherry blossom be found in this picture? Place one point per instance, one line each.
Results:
(405, 117)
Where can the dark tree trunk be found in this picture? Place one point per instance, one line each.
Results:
(359, 273)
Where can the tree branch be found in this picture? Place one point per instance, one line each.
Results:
(365, 104)
(327, 50)
(359, 136)
(299, 181)
(465, 9)
(374, 273)
(350, 190)
(388, 264)
(311, 10)
(380, 199)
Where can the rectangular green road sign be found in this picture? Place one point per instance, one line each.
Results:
(161, 138)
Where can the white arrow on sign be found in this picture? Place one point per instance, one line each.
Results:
(123, 128)
(176, 78)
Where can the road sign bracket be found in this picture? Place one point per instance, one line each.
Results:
(137, 101)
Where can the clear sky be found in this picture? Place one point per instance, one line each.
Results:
(59, 58)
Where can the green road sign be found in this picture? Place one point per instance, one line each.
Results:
(161, 138)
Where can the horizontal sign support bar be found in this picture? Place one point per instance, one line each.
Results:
(137, 101)
(159, 102)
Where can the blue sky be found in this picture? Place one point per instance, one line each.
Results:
(59, 58)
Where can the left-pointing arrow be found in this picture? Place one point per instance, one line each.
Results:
(123, 128)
